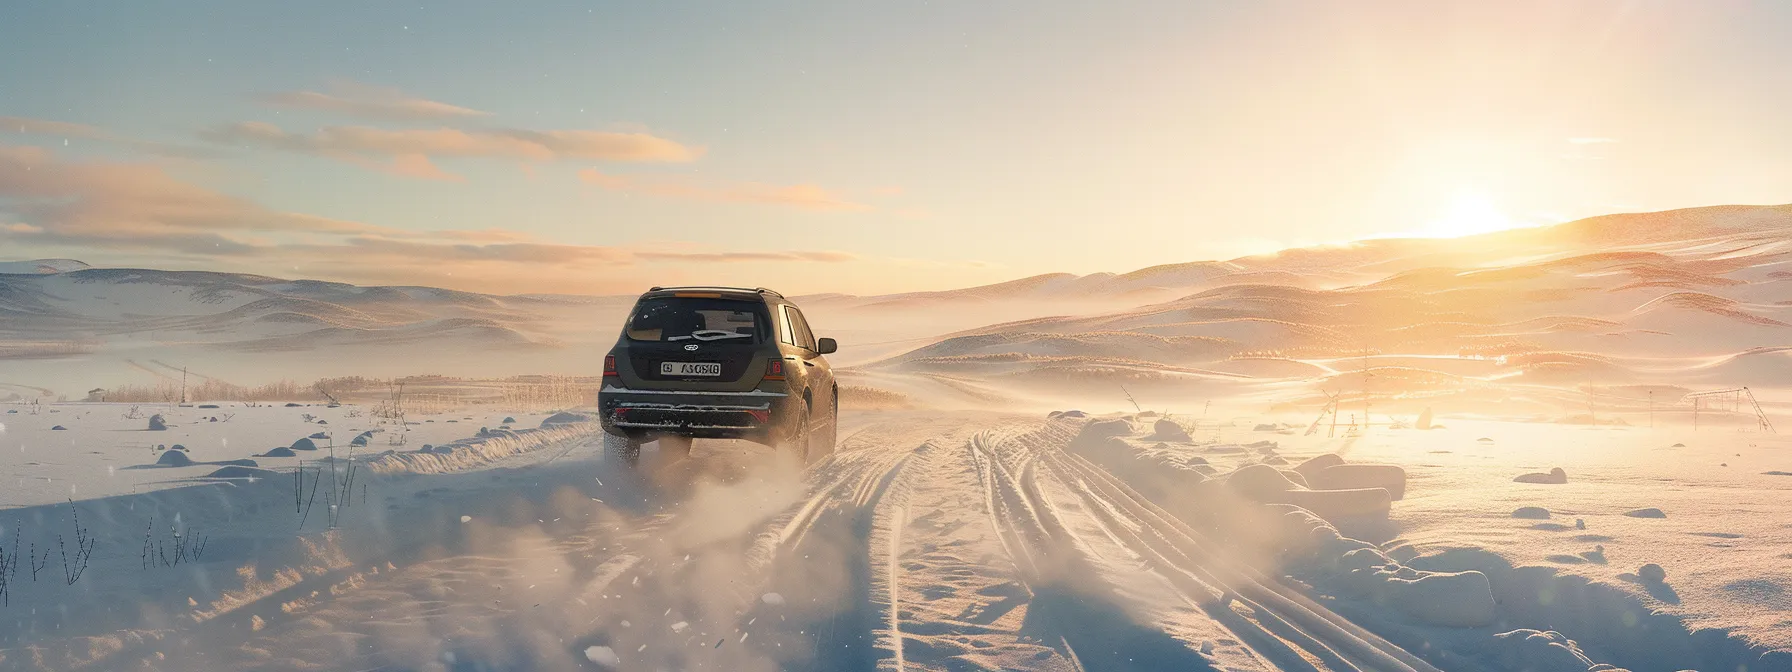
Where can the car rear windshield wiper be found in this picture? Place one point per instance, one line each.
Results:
(710, 335)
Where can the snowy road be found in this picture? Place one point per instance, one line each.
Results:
(927, 542)
(955, 542)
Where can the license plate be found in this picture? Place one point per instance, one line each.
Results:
(690, 368)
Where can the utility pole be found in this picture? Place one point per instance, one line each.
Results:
(1366, 376)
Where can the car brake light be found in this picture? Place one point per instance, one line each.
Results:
(774, 369)
(609, 365)
(761, 417)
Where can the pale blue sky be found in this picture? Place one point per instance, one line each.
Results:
(890, 146)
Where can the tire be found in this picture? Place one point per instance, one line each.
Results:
(832, 436)
(800, 436)
(674, 447)
(623, 450)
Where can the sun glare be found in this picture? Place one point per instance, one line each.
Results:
(1469, 213)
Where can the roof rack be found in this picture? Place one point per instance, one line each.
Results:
(755, 290)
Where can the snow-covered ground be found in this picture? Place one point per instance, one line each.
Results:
(1723, 536)
(945, 541)
(104, 449)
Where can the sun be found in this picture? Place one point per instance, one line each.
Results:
(1470, 213)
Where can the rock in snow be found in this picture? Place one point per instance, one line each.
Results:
(604, 656)
(1531, 513)
(1555, 476)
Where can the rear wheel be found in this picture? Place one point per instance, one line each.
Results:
(831, 437)
(797, 442)
(674, 447)
(622, 450)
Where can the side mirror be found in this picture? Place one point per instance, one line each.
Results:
(826, 346)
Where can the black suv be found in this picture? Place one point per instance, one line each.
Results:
(718, 362)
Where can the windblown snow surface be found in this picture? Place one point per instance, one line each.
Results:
(1514, 477)
(927, 541)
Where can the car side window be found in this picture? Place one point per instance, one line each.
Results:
(804, 337)
(786, 334)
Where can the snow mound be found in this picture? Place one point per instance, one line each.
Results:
(473, 453)
(157, 424)
(1329, 472)
(304, 444)
(281, 451)
(174, 458)
(1269, 485)
(242, 472)
(1650, 512)
(1357, 569)
(1539, 651)
(1097, 432)
(1167, 430)
(564, 418)
(1260, 482)
(1531, 513)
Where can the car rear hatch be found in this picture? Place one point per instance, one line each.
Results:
(699, 342)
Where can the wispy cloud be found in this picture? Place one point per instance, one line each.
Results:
(28, 126)
(419, 166)
(504, 143)
(804, 196)
(104, 208)
(359, 100)
(138, 205)
(1591, 141)
(724, 257)
(66, 130)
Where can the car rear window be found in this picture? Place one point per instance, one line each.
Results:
(698, 320)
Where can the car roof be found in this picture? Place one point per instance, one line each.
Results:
(714, 292)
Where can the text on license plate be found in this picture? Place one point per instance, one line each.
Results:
(690, 368)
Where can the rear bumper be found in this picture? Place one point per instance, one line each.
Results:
(753, 415)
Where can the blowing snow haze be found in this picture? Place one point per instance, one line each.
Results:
(1191, 335)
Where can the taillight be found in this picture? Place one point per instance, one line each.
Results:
(774, 369)
(609, 365)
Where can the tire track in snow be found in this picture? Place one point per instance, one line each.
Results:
(894, 586)
(1279, 623)
(1092, 631)
(1294, 614)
